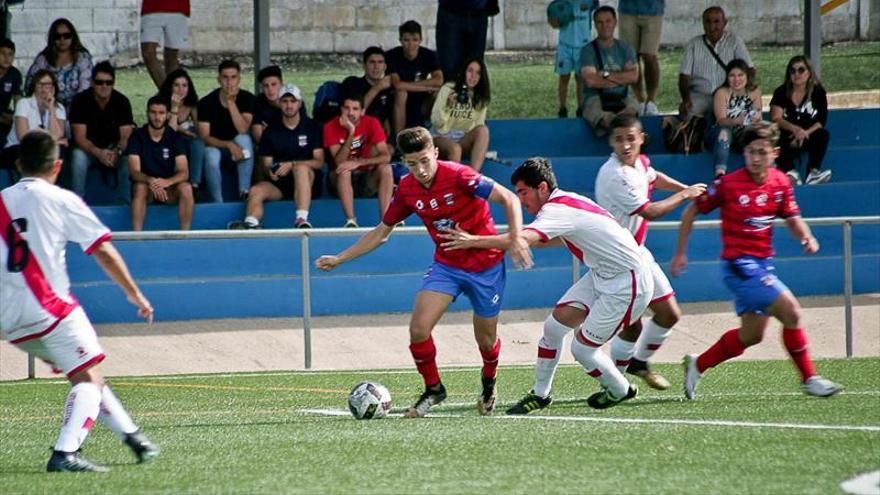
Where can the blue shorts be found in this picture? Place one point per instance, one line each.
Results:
(485, 289)
(753, 283)
(568, 60)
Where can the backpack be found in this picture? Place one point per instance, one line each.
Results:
(684, 136)
(560, 13)
(328, 101)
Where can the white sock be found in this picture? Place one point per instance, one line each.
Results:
(252, 221)
(304, 214)
(549, 352)
(114, 415)
(598, 365)
(80, 412)
(652, 337)
(621, 352)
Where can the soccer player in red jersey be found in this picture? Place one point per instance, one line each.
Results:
(750, 199)
(446, 195)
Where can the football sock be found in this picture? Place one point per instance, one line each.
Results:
(80, 411)
(652, 337)
(621, 352)
(795, 341)
(304, 214)
(114, 415)
(252, 221)
(490, 360)
(424, 354)
(598, 365)
(549, 348)
(727, 347)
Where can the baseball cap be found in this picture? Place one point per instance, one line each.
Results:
(290, 89)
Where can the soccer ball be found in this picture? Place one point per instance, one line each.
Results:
(369, 400)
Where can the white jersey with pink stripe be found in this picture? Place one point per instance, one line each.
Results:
(625, 191)
(37, 220)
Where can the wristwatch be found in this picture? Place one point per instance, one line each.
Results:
(606, 74)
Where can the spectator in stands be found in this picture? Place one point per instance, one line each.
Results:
(40, 111)
(737, 105)
(179, 90)
(704, 64)
(225, 116)
(415, 73)
(66, 56)
(157, 163)
(573, 36)
(166, 19)
(102, 123)
(290, 152)
(267, 107)
(641, 24)
(10, 86)
(459, 115)
(375, 86)
(461, 32)
(359, 158)
(608, 67)
(800, 108)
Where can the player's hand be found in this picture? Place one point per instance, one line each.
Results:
(810, 244)
(327, 262)
(145, 310)
(678, 265)
(456, 238)
(347, 166)
(694, 191)
(157, 187)
(521, 254)
(283, 170)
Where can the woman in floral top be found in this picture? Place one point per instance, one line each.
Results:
(67, 58)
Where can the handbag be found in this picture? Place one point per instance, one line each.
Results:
(684, 136)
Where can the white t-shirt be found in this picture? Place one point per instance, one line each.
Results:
(29, 109)
(625, 191)
(37, 220)
(590, 233)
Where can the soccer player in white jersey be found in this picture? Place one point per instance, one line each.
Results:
(39, 315)
(623, 187)
(613, 293)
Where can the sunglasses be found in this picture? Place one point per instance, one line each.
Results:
(103, 82)
(63, 36)
(797, 70)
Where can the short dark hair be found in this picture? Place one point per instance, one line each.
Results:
(7, 43)
(410, 27)
(354, 96)
(158, 99)
(106, 67)
(373, 50)
(269, 71)
(533, 172)
(228, 64)
(625, 121)
(414, 140)
(605, 8)
(760, 130)
(37, 153)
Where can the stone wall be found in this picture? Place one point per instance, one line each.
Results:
(110, 27)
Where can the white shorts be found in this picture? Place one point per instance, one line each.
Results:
(453, 135)
(662, 287)
(611, 303)
(173, 27)
(70, 348)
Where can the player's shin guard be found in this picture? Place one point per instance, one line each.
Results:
(80, 412)
(795, 341)
(114, 415)
(490, 360)
(652, 337)
(549, 352)
(727, 347)
(621, 352)
(598, 365)
(425, 354)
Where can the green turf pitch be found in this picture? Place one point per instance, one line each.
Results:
(750, 430)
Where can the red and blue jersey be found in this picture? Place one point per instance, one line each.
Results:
(748, 210)
(456, 197)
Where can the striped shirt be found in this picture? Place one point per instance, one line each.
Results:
(705, 72)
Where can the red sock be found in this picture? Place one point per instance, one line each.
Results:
(727, 347)
(795, 341)
(423, 354)
(490, 360)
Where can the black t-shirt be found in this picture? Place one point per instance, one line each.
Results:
(418, 69)
(10, 85)
(266, 113)
(811, 110)
(214, 113)
(157, 158)
(102, 125)
(381, 105)
(285, 145)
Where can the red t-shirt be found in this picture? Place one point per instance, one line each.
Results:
(367, 134)
(748, 210)
(165, 6)
(457, 196)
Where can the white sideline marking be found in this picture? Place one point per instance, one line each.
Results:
(863, 484)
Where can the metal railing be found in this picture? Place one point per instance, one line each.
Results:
(304, 235)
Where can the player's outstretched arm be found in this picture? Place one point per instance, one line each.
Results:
(679, 261)
(657, 209)
(518, 247)
(801, 231)
(111, 262)
(370, 241)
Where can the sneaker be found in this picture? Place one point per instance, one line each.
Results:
(486, 401)
(72, 462)
(817, 176)
(430, 397)
(820, 387)
(351, 223)
(642, 370)
(301, 223)
(691, 376)
(242, 225)
(529, 403)
(603, 399)
(143, 448)
(794, 177)
(562, 113)
(650, 108)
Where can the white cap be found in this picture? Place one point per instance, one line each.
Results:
(290, 89)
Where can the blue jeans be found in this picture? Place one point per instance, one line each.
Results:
(214, 157)
(723, 138)
(195, 156)
(80, 162)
